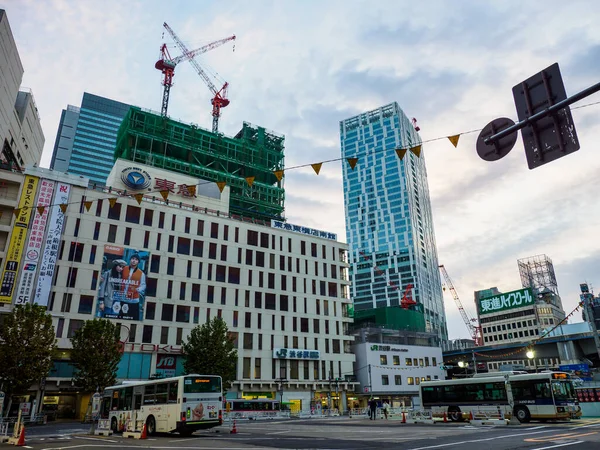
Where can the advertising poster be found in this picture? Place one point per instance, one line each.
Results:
(51, 244)
(34, 244)
(122, 286)
(166, 365)
(18, 238)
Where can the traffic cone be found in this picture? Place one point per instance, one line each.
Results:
(143, 435)
(445, 417)
(234, 429)
(470, 416)
(21, 441)
(403, 417)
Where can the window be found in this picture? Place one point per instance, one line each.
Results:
(385, 380)
(383, 360)
(167, 312)
(74, 325)
(115, 212)
(76, 251)
(408, 362)
(212, 250)
(85, 304)
(171, 243)
(195, 292)
(260, 259)
(112, 234)
(132, 214)
(223, 253)
(269, 301)
(72, 277)
(198, 248)
(170, 266)
(147, 334)
(127, 239)
(164, 335)
(234, 275)
(183, 246)
(410, 381)
(257, 368)
(99, 208)
(246, 368)
(148, 216)
(214, 230)
(397, 380)
(151, 284)
(155, 263)
(182, 288)
(150, 310)
(220, 273)
(396, 360)
(97, 231)
(183, 314)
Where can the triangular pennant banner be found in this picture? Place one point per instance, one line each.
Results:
(317, 167)
(352, 162)
(278, 174)
(221, 185)
(165, 194)
(112, 201)
(416, 150)
(41, 210)
(139, 198)
(16, 211)
(192, 190)
(454, 139)
(87, 205)
(400, 152)
(63, 207)
(250, 181)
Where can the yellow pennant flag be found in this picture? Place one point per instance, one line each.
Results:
(416, 150)
(352, 162)
(87, 205)
(63, 207)
(41, 210)
(454, 139)
(139, 198)
(317, 167)
(400, 152)
(278, 174)
(250, 181)
(112, 201)
(221, 185)
(165, 194)
(192, 190)
(16, 211)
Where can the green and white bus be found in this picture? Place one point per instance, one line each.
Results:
(537, 396)
(180, 404)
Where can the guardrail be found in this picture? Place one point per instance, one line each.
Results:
(256, 415)
(38, 419)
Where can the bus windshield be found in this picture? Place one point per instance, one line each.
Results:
(563, 390)
(195, 385)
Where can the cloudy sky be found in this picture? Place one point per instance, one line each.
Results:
(299, 67)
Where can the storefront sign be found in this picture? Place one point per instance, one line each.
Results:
(135, 178)
(17, 239)
(51, 244)
(290, 353)
(34, 244)
(508, 300)
(165, 365)
(303, 230)
(386, 348)
(153, 348)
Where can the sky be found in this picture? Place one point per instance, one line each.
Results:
(300, 67)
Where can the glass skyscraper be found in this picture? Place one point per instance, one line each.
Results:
(389, 226)
(91, 152)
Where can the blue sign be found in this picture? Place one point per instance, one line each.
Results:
(135, 178)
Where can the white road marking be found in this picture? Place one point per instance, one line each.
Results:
(481, 440)
(280, 432)
(558, 445)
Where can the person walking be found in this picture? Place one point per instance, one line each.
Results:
(386, 409)
(372, 409)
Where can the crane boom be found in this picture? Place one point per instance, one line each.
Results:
(204, 49)
(475, 331)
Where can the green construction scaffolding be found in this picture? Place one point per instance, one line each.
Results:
(148, 138)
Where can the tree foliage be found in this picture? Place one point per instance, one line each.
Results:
(210, 350)
(96, 354)
(27, 344)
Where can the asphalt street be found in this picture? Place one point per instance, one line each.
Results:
(335, 433)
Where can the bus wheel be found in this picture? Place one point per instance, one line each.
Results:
(454, 414)
(522, 413)
(150, 426)
(113, 425)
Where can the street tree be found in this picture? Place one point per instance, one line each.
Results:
(27, 345)
(210, 350)
(96, 354)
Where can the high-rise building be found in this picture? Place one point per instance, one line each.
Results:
(389, 226)
(86, 137)
(21, 136)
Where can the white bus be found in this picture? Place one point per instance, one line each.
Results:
(180, 404)
(538, 396)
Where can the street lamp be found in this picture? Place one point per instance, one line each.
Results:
(531, 355)
(463, 365)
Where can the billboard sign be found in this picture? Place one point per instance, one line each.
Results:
(506, 301)
(166, 365)
(18, 238)
(122, 289)
(51, 244)
(34, 244)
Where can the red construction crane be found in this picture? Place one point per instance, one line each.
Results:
(166, 65)
(220, 95)
(474, 328)
(407, 300)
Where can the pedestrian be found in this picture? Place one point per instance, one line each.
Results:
(386, 408)
(372, 409)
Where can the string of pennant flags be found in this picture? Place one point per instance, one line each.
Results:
(279, 174)
(528, 346)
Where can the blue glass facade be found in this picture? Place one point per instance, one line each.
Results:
(96, 136)
(389, 226)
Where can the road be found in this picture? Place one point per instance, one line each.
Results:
(335, 433)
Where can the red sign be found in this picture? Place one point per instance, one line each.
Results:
(153, 348)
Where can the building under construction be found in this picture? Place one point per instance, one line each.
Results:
(149, 138)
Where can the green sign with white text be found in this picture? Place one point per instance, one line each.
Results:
(505, 301)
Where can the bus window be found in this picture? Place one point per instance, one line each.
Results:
(114, 405)
(137, 401)
(161, 393)
(562, 390)
(105, 409)
(127, 399)
(542, 390)
(523, 390)
(495, 392)
(149, 394)
(173, 391)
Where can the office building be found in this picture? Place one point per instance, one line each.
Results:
(389, 225)
(65, 136)
(21, 136)
(281, 288)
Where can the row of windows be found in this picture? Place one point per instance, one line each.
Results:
(416, 362)
(507, 326)
(515, 335)
(385, 380)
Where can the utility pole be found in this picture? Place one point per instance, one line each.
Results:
(370, 385)
(474, 361)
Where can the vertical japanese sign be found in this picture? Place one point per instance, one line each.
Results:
(34, 244)
(17, 239)
(51, 244)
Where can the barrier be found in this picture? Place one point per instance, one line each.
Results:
(420, 416)
(133, 429)
(487, 417)
(3, 431)
(256, 415)
(103, 428)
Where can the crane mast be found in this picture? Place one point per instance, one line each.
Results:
(474, 330)
(220, 95)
